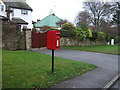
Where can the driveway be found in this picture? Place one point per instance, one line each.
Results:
(97, 78)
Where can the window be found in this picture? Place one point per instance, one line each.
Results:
(24, 12)
(2, 7)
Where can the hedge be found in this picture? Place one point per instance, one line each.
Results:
(66, 33)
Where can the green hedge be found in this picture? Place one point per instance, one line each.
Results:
(66, 33)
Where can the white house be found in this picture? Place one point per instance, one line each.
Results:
(19, 12)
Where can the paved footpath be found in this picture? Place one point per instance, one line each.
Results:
(97, 78)
(116, 84)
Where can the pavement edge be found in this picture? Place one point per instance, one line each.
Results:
(108, 85)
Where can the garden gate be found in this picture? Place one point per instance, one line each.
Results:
(39, 39)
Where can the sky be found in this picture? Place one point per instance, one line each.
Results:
(64, 9)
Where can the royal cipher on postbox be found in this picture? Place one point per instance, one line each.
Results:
(53, 39)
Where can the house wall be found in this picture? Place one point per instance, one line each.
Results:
(27, 18)
(17, 14)
(22, 26)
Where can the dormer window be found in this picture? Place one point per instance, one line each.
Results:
(24, 12)
(2, 7)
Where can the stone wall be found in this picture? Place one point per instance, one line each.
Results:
(28, 39)
(68, 41)
(12, 38)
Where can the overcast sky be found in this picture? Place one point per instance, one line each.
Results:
(64, 9)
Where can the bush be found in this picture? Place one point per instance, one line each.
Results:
(83, 26)
(108, 37)
(89, 33)
(117, 39)
(80, 33)
(94, 35)
(68, 26)
(101, 36)
(33, 29)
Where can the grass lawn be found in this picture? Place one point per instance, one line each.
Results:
(109, 49)
(26, 69)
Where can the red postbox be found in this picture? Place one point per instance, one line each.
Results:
(53, 39)
(53, 42)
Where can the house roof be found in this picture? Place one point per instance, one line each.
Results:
(50, 21)
(3, 18)
(19, 21)
(20, 5)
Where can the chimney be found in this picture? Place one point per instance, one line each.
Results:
(9, 13)
(53, 14)
(38, 20)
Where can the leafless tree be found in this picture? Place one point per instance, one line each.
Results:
(82, 17)
(116, 16)
(98, 11)
(60, 23)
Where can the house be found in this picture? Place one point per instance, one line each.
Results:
(48, 22)
(19, 12)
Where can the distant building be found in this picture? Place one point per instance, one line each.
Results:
(19, 12)
(48, 22)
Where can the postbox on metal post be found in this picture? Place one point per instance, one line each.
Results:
(53, 43)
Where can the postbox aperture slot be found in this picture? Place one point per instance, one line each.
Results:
(57, 34)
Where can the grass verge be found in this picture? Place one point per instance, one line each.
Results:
(109, 49)
(26, 69)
